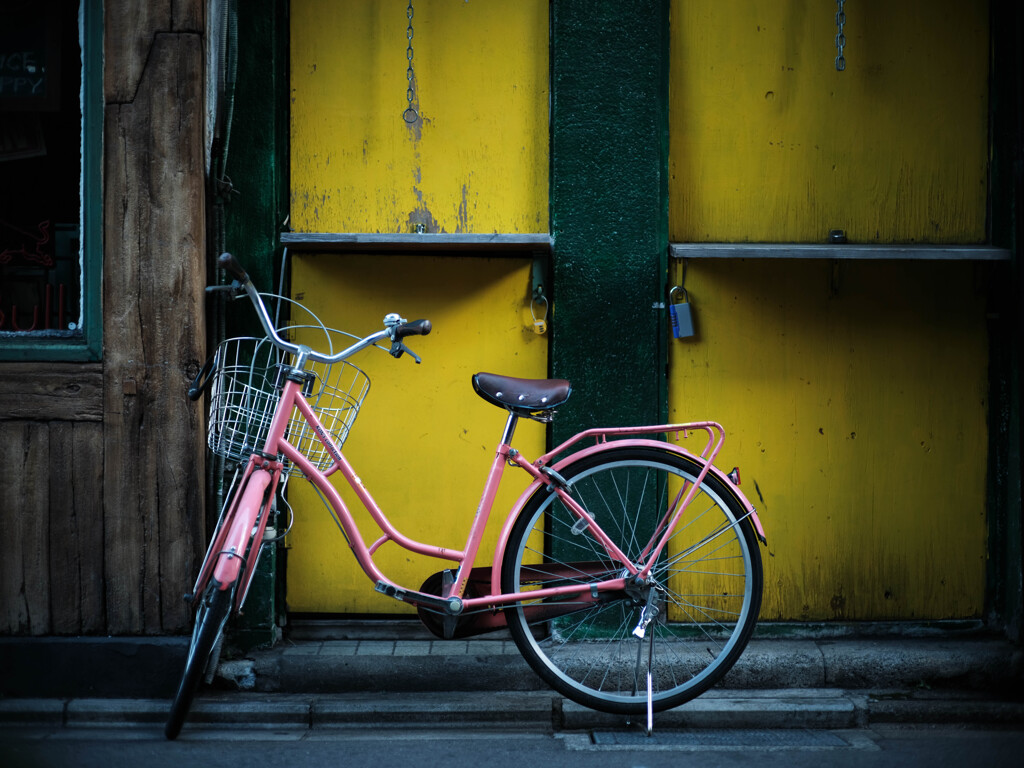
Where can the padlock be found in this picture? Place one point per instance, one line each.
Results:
(540, 324)
(681, 313)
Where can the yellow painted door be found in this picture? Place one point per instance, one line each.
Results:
(474, 161)
(853, 394)
(858, 419)
(770, 143)
(423, 442)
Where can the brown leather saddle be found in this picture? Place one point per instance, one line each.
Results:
(532, 398)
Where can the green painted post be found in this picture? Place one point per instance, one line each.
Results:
(258, 148)
(257, 153)
(609, 210)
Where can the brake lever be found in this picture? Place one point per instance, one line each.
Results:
(398, 348)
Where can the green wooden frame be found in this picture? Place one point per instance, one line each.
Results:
(87, 343)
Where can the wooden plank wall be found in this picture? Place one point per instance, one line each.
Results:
(103, 462)
(51, 579)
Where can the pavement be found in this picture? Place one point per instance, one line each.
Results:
(396, 675)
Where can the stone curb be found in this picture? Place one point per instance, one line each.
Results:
(146, 668)
(808, 708)
(353, 665)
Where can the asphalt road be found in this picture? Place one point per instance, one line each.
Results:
(897, 746)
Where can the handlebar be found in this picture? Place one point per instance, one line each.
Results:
(395, 328)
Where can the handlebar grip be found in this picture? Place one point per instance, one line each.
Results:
(228, 262)
(414, 328)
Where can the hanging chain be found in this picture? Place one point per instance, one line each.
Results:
(409, 115)
(840, 37)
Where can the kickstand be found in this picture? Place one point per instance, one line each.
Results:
(650, 687)
(647, 615)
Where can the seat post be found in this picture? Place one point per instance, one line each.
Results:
(510, 428)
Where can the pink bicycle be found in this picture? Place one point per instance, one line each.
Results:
(627, 573)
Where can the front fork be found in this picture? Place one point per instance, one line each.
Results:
(231, 557)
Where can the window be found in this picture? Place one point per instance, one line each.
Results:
(51, 105)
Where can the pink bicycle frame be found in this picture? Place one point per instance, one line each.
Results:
(277, 444)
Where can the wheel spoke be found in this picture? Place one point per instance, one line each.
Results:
(708, 581)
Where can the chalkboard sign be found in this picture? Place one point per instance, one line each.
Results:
(29, 57)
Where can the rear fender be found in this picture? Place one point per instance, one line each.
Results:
(568, 461)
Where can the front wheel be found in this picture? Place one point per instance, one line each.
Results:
(211, 616)
(704, 590)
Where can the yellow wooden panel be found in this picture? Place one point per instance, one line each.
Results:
(770, 143)
(423, 441)
(854, 402)
(477, 161)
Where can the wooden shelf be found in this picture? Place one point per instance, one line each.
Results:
(844, 251)
(463, 244)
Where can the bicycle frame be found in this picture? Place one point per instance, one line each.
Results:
(635, 481)
(263, 471)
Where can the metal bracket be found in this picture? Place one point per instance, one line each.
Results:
(557, 482)
(538, 277)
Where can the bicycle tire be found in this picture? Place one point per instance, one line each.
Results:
(211, 616)
(710, 583)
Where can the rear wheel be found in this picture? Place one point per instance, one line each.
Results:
(705, 588)
(211, 616)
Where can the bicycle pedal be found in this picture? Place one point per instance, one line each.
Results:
(188, 597)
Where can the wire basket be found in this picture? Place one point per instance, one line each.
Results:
(244, 396)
